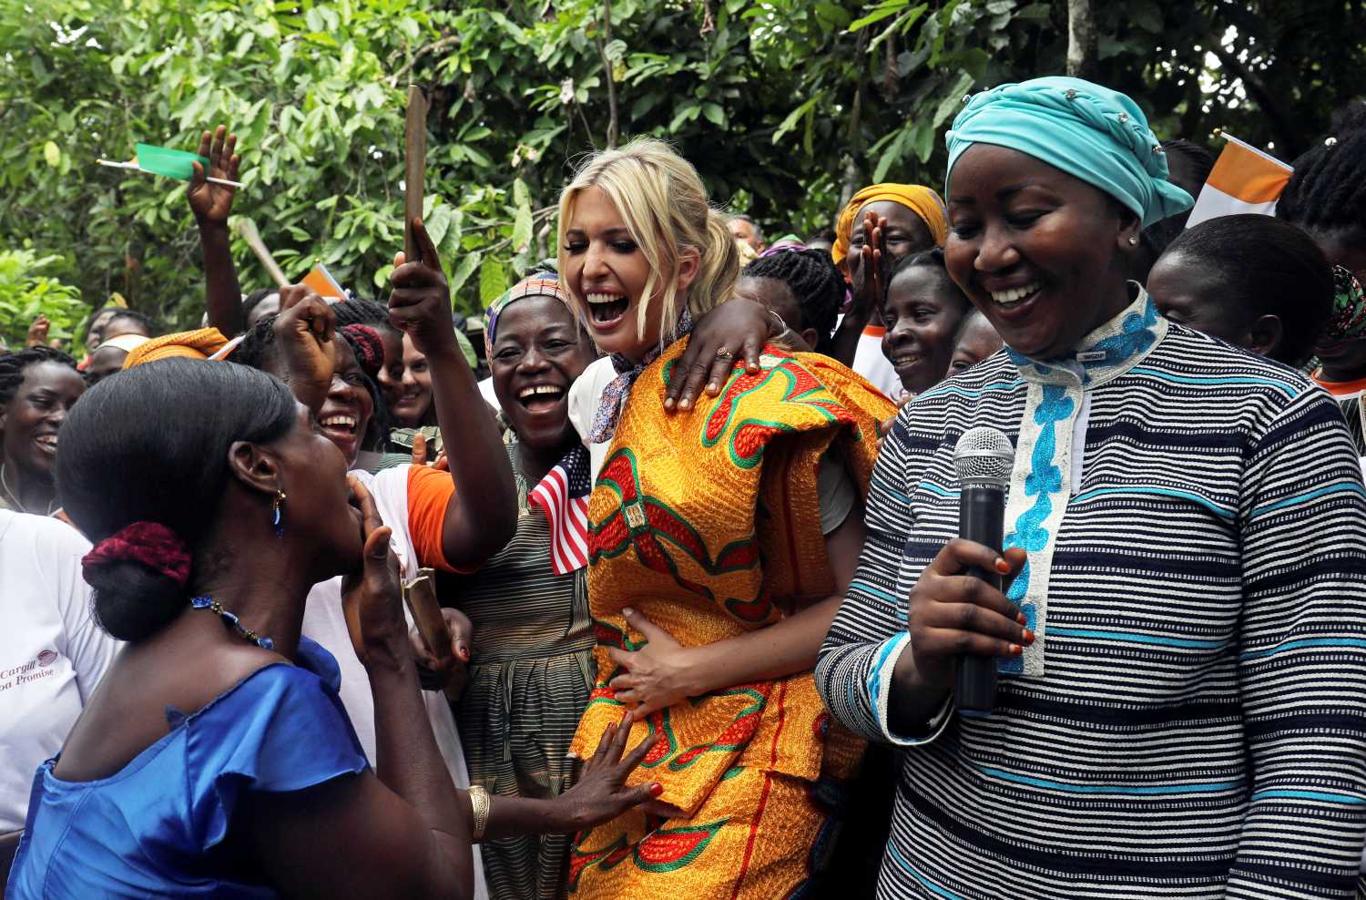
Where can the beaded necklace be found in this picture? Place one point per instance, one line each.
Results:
(231, 620)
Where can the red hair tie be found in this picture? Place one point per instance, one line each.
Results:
(150, 543)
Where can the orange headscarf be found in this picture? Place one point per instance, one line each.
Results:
(200, 344)
(919, 199)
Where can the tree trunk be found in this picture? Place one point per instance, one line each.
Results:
(1081, 39)
(605, 38)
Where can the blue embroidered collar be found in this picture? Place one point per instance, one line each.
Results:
(1041, 480)
(1108, 352)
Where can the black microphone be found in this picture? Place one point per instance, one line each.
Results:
(982, 460)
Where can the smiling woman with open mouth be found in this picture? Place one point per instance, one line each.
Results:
(38, 387)
(1184, 528)
(717, 540)
(531, 657)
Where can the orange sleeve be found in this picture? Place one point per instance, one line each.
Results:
(429, 493)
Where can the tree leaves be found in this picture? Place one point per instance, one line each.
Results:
(520, 93)
(879, 12)
(493, 281)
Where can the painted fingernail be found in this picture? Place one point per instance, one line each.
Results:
(1001, 565)
(1028, 636)
(1016, 650)
(1020, 617)
(656, 789)
(628, 612)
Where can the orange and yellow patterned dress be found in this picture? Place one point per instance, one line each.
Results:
(709, 524)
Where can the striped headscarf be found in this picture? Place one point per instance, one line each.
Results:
(537, 284)
(919, 199)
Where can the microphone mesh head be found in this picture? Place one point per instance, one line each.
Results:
(983, 455)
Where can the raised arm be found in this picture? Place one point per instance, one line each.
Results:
(401, 831)
(482, 515)
(870, 288)
(304, 331)
(211, 204)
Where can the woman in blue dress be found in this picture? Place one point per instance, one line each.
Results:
(215, 759)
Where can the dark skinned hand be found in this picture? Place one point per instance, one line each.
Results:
(884, 428)
(305, 329)
(601, 794)
(371, 598)
(452, 673)
(953, 613)
(420, 303)
(737, 327)
(419, 449)
(211, 203)
(37, 332)
(870, 277)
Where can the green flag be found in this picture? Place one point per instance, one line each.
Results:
(168, 162)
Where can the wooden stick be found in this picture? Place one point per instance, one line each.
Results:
(247, 228)
(415, 155)
(420, 595)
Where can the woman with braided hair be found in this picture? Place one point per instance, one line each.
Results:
(38, 386)
(803, 287)
(1327, 194)
(1327, 198)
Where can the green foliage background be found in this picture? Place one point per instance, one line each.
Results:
(785, 106)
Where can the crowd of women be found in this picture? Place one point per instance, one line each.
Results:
(695, 537)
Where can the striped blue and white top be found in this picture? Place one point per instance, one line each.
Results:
(1194, 723)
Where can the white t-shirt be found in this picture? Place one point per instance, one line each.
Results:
(873, 365)
(486, 391)
(325, 622)
(585, 395)
(52, 653)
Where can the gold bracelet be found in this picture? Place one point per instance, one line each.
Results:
(479, 808)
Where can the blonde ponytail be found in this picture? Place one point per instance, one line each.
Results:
(718, 270)
(662, 201)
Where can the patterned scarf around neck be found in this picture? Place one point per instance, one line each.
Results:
(614, 396)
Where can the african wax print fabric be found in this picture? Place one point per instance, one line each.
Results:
(709, 525)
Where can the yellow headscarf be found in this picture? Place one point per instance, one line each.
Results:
(199, 344)
(919, 199)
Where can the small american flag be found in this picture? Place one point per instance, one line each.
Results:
(563, 496)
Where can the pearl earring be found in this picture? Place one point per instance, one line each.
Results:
(1133, 240)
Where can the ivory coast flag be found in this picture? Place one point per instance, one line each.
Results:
(1244, 180)
(323, 284)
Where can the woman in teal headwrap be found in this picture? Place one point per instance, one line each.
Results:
(531, 663)
(1181, 641)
